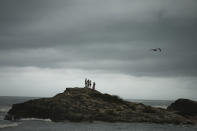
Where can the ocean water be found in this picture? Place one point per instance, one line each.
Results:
(155, 103)
(32, 124)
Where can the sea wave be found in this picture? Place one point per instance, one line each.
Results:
(161, 106)
(8, 125)
(35, 119)
(1, 117)
(4, 109)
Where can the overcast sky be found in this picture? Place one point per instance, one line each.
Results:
(48, 45)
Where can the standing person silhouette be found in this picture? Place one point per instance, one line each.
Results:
(86, 82)
(93, 86)
(90, 83)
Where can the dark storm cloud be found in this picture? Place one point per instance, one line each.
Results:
(110, 35)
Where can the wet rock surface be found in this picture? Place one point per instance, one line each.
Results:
(184, 107)
(85, 104)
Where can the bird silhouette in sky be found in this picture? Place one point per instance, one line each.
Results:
(156, 49)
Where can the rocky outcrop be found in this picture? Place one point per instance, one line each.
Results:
(85, 104)
(185, 107)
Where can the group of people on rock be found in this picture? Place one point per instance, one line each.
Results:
(88, 84)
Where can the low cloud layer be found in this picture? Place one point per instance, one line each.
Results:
(113, 36)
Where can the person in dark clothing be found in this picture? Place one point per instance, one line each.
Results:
(90, 83)
(86, 82)
(93, 86)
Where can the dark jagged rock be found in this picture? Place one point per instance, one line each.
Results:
(85, 104)
(184, 107)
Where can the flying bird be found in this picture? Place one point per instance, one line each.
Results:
(156, 49)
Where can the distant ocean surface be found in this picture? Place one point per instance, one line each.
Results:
(33, 124)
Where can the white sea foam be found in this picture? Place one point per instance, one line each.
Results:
(8, 125)
(1, 117)
(161, 106)
(35, 119)
(4, 109)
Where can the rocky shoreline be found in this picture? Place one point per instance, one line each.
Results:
(84, 104)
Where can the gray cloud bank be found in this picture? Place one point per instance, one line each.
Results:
(112, 35)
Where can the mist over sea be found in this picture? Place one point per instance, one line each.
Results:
(33, 124)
